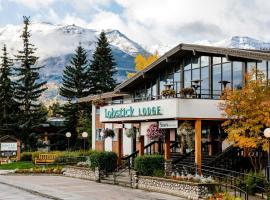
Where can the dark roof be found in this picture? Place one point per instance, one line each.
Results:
(8, 137)
(102, 96)
(192, 49)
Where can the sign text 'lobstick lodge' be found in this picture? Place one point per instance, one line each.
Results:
(132, 112)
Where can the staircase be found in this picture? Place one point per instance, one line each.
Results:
(189, 158)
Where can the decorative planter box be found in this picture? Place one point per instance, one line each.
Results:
(188, 190)
(82, 172)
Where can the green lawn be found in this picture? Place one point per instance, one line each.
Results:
(17, 165)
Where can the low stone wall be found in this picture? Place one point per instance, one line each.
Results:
(82, 172)
(188, 190)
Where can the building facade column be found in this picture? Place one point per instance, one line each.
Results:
(167, 150)
(198, 145)
(140, 145)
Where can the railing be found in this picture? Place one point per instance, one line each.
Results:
(183, 157)
(154, 147)
(230, 180)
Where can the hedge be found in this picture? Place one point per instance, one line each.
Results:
(149, 165)
(106, 161)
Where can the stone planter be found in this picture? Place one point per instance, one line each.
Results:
(187, 190)
(82, 172)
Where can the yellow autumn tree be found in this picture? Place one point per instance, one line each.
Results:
(248, 113)
(141, 62)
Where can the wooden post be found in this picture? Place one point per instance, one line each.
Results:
(119, 147)
(210, 145)
(18, 150)
(167, 153)
(140, 145)
(198, 145)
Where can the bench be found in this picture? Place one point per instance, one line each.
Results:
(45, 158)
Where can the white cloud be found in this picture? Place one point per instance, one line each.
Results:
(35, 4)
(166, 21)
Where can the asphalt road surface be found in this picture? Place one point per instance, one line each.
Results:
(21, 187)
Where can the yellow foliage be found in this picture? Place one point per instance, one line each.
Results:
(248, 112)
(141, 62)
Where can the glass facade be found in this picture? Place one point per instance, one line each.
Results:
(212, 75)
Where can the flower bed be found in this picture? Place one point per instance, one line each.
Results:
(41, 170)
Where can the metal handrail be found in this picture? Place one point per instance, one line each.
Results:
(218, 176)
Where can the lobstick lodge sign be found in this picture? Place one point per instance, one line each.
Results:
(132, 112)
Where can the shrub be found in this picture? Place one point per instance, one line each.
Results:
(253, 182)
(26, 156)
(106, 161)
(149, 165)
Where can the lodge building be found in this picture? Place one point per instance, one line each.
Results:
(138, 102)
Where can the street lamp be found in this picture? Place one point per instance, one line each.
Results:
(68, 135)
(84, 135)
(267, 135)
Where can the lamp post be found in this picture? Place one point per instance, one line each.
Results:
(267, 135)
(84, 135)
(68, 135)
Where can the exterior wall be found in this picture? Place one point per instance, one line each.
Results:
(169, 109)
(143, 130)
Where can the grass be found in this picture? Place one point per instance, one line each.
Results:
(17, 165)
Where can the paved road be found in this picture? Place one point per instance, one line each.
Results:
(11, 193)
(72, 189)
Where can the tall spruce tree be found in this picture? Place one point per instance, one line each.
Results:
(8, 106)
(28, 89)
(102, 68)
(75, 84)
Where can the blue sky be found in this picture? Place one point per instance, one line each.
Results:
(150, 22)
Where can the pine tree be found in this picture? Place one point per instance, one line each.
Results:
(102, 68)
(8, 106)
(28, 88)
(75, 84)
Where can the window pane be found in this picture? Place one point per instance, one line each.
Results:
(250, 66)
(237, 75)
(195, 62)
(205, 81)
(187, 73)
(176, 78)
(226, 74)
(261, 66)
(205, 76)
(216, 80)
(154, 91)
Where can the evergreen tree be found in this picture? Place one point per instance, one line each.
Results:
(102, 68)
(28, 89)
(75, 84)
(8, 106)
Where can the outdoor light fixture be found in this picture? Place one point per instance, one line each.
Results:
(68, 135)
(84, 135)
(267, 135)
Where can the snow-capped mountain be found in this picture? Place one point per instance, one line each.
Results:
(56, 44)
(241, 42)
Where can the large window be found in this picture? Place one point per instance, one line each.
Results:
(226, 74)
(216, 77)
(187, 72)
(262, 67)
(204, 76)
(176, 79)
(237, 75)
